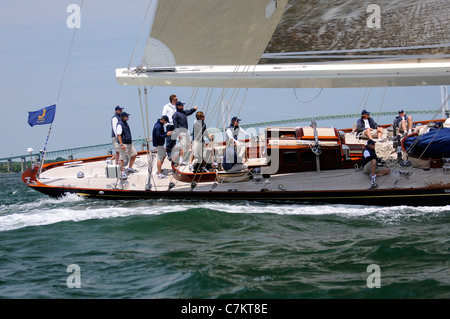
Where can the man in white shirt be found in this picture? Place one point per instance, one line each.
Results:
(232, 135)
(367, 126)
(114, 121)
(169, 110)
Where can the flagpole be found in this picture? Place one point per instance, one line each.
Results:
(59, 93)
(41, 164)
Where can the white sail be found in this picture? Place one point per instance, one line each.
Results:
(212, 32)
(295, 43)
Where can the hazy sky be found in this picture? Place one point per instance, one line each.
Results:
(35, 41)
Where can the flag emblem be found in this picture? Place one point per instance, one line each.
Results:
(42, 116)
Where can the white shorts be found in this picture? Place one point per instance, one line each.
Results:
(185, 141)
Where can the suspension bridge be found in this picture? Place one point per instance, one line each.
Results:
(108, 147)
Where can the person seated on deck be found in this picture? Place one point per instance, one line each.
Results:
(232, 134)
(366, 125)
(403, 122)
(232, 162)
(370, 161)
(437, 125)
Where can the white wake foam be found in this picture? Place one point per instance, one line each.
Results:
(73, 208)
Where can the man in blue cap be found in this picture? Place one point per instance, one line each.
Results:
(127, 150)
(158, 138)
(114, 121)
(404, 122)
(180, 123)
(232, 135)
(367, 126)
(370, 161)
(234, 156)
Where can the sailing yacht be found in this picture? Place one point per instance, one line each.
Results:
(267, 44)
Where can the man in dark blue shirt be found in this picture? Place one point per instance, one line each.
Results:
(180, 123)
(404, 122)
(367, 126)
(370, 160)
(158, 138)
(127, 150)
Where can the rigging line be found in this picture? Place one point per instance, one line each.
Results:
(305, 102)
(45, 150)
(435, 134)
(204, 102)
(360, 104)
(59, 93)
(359, 109)
(214, 111)
(150, 157)
(381, 106)
(245, 63)
(193, 97)
(140, 32)
(417, 47)
(148, 123)
(67, 59)
(416, 141)
(142, 112)
(246, 69)
(367, 99)
(245, 66)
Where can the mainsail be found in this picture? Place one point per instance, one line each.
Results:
(295, 43)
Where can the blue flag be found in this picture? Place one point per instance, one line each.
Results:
(42, 116)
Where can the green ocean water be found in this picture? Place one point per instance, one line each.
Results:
(215, 250)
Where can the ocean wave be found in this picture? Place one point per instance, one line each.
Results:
(47, 211)
(68, 208)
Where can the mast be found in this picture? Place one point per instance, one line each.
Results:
(316, 148)
(444, 101)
